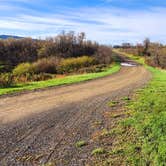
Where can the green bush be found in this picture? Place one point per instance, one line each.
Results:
(23, 69)
(1, 68)
(46, 65)
(6, 80)
(73, 64)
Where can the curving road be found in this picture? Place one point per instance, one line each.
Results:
(42, 126)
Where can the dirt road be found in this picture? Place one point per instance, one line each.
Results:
(43, 126)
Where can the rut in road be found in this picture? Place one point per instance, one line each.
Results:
(38, 127)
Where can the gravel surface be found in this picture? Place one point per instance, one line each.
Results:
(41, 127)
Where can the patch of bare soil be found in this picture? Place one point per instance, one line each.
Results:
(44, 127)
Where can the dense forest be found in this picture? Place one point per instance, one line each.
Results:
(27, 59)
(154, 53)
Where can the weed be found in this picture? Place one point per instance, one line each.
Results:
(126, 98)
(117, 151)
(112, 103)
(105, 133)
(117, 114)
(98, 123)
(98, 151)
(102, 134)
(80, 144)
(49, 164)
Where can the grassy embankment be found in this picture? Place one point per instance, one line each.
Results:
(146, 127)
(59, 81)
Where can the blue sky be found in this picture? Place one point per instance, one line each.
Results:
(105, 21)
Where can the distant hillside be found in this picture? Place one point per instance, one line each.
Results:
(9, 36)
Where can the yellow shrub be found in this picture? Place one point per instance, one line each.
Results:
(22, 69)
(73, 64)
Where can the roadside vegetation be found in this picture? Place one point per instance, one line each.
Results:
(147, 122)
(139, 138)
(153, 53)
(29, 64)
(59, 81)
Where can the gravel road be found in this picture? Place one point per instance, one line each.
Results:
(43, 126)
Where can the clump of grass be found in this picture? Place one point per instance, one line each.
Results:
(80, 144)
(105, 133)
(117, 151)
(98, 151)
(98, 123)
(116, 131)
(49, 164)
(126, 98)
(112, 103)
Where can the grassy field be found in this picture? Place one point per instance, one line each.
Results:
(146, 127)
(59, 81)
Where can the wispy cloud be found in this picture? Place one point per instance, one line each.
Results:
(104, 24)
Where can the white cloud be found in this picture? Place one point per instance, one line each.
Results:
(106, 25)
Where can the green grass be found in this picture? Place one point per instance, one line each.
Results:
(112, 103)
(59, 81)
(49, 164)
(126, 98)
(149, 122)
(146, 144)
(98, 151)
(80, 144)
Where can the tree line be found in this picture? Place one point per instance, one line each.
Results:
(26, 59)
(154, 53)
(64, 45)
